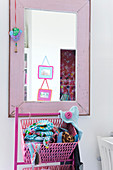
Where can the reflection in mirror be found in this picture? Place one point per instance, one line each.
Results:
(50, 56)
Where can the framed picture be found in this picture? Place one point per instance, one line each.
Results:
(45, 72)
(44, 95)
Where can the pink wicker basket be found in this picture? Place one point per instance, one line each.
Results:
(57, 152)
(55, 167)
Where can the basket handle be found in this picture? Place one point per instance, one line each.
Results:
(29, 114)
(43, 84)
(38, 114)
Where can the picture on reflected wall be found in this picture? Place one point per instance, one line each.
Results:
(67, 75)
(44, 95)
(45, 72)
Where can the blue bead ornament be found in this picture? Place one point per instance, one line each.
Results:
(15, 35)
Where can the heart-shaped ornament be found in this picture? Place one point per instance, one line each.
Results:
(15, 31)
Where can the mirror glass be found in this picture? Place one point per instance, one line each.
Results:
(50, 56)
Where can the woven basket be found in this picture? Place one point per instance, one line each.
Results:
(55, 167)
(57, 152)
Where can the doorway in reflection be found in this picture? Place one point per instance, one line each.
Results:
(67, 75)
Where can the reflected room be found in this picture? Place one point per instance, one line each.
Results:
(50, 55)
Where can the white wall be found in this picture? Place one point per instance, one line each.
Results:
(101, 120)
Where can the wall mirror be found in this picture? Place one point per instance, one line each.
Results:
(51, 70)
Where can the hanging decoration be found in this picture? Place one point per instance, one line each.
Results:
(15, 33)
(44, 94)
(45, 72)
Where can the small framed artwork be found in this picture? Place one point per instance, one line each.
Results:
(44, 95)
(45, 72)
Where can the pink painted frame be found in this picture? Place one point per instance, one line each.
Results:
(47, 67)
(16, 60)
(46, 91)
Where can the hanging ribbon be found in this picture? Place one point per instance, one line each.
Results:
(15, 13)
(46, 83)
(16, 32)
(45, 58)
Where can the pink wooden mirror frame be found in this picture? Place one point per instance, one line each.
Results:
(16, 60)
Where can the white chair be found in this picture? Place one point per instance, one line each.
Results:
(106, 152)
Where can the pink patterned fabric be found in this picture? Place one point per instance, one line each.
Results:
(67, 75)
